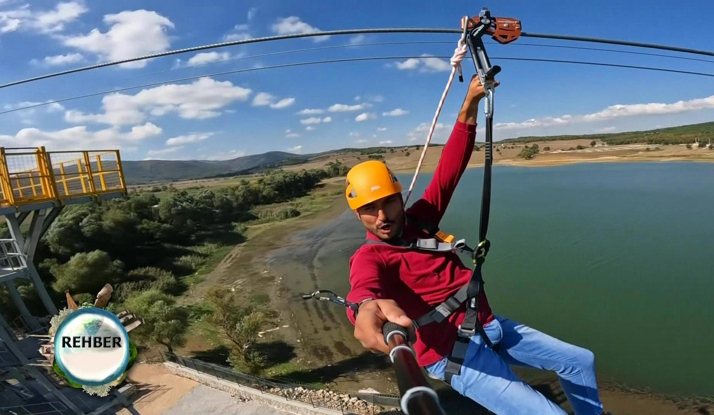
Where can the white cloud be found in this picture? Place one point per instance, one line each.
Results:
(283, 103)
(311, 120)
(132, 34)
(53, 107)
(204, 98)
(164, 151)
(288, 131)
(296, 149)
(230, 155)
(365, 116)
(315, 120)
(420, 131)
(348, 108)
(395, 113)
(382, 129)
(236, 37)
(80, 137)
(386, 142)
(607, 129)
(140, 132)
(354, 134)
(59, 60)
(292, 135)
(424, 127)
(204, 58)
(613, 112)
(357, 98)
(47, 21)
(310, 128)
(310, 111)
(424, 64)
(361, 141)
(265, 99)
(54, 20)
(293, 25)
(251, 13)
(357, 40)
(262, 99)
(241, 30)
(188, 139)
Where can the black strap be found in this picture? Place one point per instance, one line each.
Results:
(426, 226)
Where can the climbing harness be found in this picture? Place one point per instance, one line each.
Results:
(502, 30)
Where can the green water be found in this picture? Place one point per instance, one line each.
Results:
(617, 258)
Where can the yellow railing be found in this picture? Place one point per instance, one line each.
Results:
(35, 175)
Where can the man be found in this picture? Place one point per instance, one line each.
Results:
(391, 282)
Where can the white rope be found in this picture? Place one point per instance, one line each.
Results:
(459, 54)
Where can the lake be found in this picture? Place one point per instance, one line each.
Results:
(613, 257)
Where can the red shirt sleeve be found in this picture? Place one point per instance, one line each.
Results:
(454, 159)
(367, 273)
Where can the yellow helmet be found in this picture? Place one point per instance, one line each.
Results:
(370, 181)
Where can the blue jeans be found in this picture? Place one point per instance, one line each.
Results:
(487, 378)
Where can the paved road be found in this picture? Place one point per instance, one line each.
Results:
(205, 400)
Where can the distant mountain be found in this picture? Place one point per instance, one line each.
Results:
(146, 171)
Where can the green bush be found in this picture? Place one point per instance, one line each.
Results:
(529, 152)
(546, 148)
(689, 146)
(580, 147)
(164, 323)
(191, 262)
(84, 298)
(87, 272)
(280, 213)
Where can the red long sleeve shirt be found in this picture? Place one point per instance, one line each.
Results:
(419, 281)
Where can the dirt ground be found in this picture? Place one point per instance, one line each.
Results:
(159, 389)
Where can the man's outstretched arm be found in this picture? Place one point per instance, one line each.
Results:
(366, 277)
(454, 159)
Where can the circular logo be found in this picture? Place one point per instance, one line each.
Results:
(92, 347)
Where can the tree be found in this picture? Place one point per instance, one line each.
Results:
(407, 154)
(164, 322)
(593, 143)
(546, 148)
(87, 272)
(241, 325)
(529, 152)
(66, 237)
(579, 147)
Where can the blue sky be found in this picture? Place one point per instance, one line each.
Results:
(356, 104)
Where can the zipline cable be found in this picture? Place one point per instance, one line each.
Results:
(351, 32)
(373, 58)
(438, 42)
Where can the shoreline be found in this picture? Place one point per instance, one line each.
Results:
(322, 337)
(557, 162)
(618, 398)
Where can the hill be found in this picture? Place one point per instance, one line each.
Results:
(146, 171)
(673, 135)
(398, 157)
